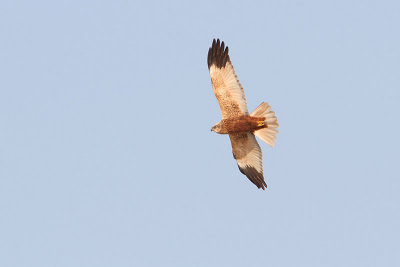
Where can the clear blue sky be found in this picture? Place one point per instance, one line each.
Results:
(106, 154)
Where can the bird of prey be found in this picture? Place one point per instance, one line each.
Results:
(241, 126)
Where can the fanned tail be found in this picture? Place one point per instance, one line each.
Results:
(268, 134)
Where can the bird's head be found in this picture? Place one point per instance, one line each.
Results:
(216, 127)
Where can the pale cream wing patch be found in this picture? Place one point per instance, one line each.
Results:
(248, 155)
(228, 90)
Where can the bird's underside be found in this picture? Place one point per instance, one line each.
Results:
(241, 126)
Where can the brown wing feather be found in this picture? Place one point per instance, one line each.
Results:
(227, 88)
(248, 155)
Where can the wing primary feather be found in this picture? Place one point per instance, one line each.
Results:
(226, 56)
(218, 54)
(254, 176)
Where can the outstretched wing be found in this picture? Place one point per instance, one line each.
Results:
(227, 88)
(248, 155)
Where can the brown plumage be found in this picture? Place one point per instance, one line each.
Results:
(241, 126)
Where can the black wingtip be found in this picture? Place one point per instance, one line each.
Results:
(218, 54)
(254, 176)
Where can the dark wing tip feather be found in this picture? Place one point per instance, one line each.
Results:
(218, 54)
(254, 176)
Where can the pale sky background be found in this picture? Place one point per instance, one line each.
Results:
(106, 154)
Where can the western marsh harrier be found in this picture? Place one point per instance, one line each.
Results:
(241, 126)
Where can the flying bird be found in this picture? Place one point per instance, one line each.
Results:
(241, 126)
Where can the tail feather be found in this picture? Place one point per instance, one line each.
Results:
(268, 134)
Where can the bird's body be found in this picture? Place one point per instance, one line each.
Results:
(241, 126)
